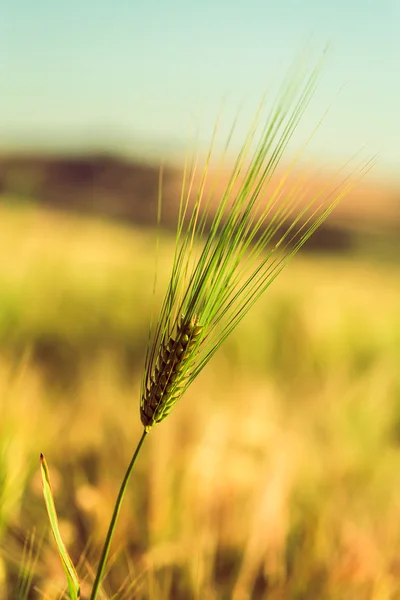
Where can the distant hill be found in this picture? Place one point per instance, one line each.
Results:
(119, 188)
(97, 184)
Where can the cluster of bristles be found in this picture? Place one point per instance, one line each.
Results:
(164, 386)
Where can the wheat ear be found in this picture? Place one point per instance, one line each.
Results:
(166, 382)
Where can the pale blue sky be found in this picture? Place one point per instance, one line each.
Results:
(87, 72)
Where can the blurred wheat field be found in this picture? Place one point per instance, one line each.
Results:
(276, 476)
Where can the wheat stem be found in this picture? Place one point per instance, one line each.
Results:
(113, 522)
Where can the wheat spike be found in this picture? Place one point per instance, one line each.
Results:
(165, 383)
(231, 247)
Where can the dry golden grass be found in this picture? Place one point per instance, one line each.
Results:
(274, 478)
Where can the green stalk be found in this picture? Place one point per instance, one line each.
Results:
(111, 529)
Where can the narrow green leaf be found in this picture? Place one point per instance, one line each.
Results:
(72, 577)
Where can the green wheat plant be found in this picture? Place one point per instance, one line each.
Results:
(229, 248)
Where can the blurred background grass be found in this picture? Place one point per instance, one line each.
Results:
(275, 477)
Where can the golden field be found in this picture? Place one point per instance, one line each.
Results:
(276, 477)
